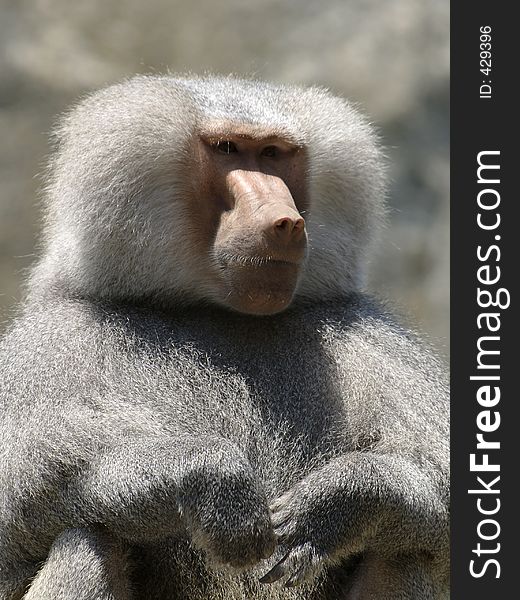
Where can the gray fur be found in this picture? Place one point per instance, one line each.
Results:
(152, 443)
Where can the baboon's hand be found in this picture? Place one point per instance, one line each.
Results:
(226, 512)
(309, 522)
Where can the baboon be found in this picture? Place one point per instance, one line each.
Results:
(198, 400)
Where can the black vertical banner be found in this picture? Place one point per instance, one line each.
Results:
(485, 250)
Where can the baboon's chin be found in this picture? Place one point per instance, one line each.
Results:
(265, 290)
(260, 303)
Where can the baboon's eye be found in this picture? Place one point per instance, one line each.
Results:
(269, 151)
(225, 147)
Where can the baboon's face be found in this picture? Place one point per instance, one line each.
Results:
(247, 195)
(250, 195)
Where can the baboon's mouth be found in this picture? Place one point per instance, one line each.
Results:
(258, 285)
(255, 261)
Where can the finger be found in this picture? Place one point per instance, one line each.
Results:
(280, 519)
(276, 572)
(280, 502)
(296, 578)
(268, 545)
(284, 536)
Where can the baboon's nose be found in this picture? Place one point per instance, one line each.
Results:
(289, 227)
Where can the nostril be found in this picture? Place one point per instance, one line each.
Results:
(288, 225)
(299, 224)
(284, 224)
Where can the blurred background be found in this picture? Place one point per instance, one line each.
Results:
(389, 56)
